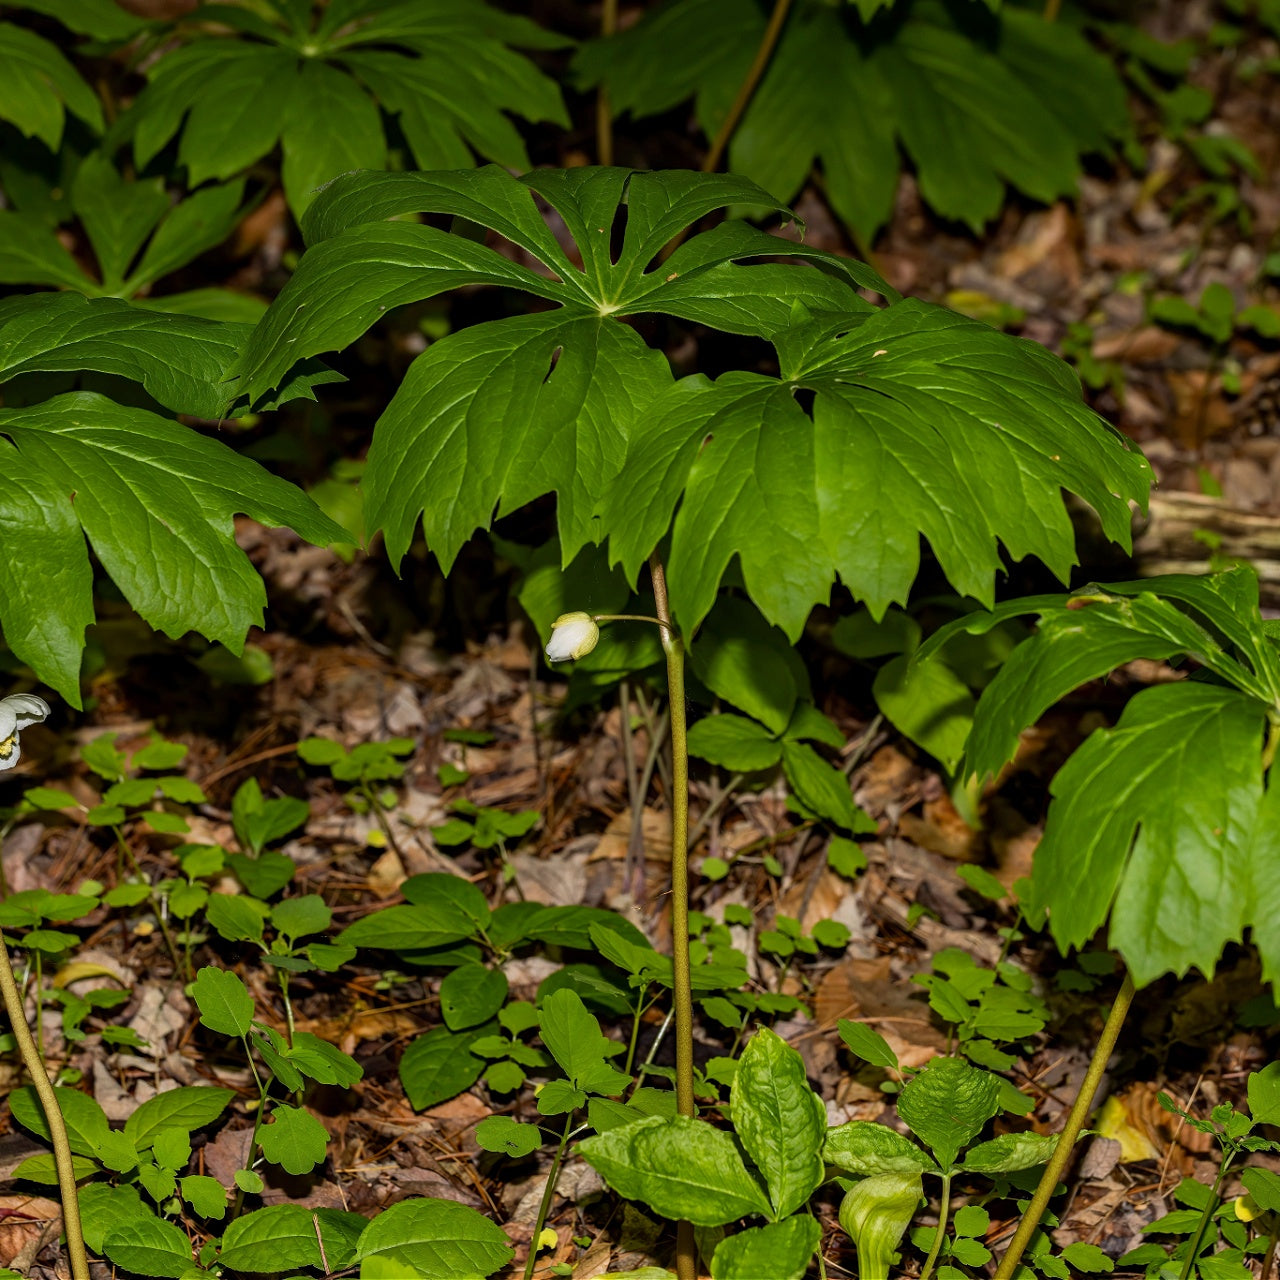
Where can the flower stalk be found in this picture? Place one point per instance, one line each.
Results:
(682, 988)
(574, 635)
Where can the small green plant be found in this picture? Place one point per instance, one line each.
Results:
(574, 1041)
(284, 1135)
(986, 1008)
(484, 828)
(446, 924)
(1159, 72)
(1216, 316)
(294, 921)
(945, 1106)
(129, 799)
(1096, 374)
(685, 1168)
(146, 1215)
(1205, 1220)
(365, 765)
(258, 822)
(30, 911)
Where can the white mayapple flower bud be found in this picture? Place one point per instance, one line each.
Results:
(17, 712)
(573, 635)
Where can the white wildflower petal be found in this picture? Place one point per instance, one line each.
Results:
(10, 752)
(27, 709)
(573, 635)
(8, 720)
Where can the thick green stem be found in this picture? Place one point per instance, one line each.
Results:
(1070, 1131)
(548, 1195)
(62, 1158)
(748, 86)
(944, 1212)
(604, 112)
(1273, 740)
(682, 990)
(39, 967)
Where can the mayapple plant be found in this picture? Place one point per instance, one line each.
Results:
(1166, 828)
(883, 423)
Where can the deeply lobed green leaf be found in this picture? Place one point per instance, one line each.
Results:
(448, 69)
(943, 81)
(156, 501)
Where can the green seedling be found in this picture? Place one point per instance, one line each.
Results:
(1216, 316)
(574, 1042)
(1096, 374)
(259, 822)
(293, 921)
(365, 765)
(1206, 1221)
(25, 917)
(683, 1167)
(945, 1106)
(484, 828)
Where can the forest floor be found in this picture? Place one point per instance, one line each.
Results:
(360, 656)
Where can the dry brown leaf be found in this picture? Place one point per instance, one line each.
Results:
(655, 837)
(595, 1262)
(1147, 345)
(557, 880)
(365, 1024)
(1045, 239)
(889, 777)
(828, 895)
(866, 991)
(940, 829)
(23, 1222)
(386, 875)
(1201, 410)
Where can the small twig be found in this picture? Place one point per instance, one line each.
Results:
(539, 773)
(635, 884)
(235, 765)
(324, 1257)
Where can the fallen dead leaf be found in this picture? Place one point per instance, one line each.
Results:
(940, 829)
(23, 1221)
(866, 991)
(386, 875)
(655, 837)
(365, 1024)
